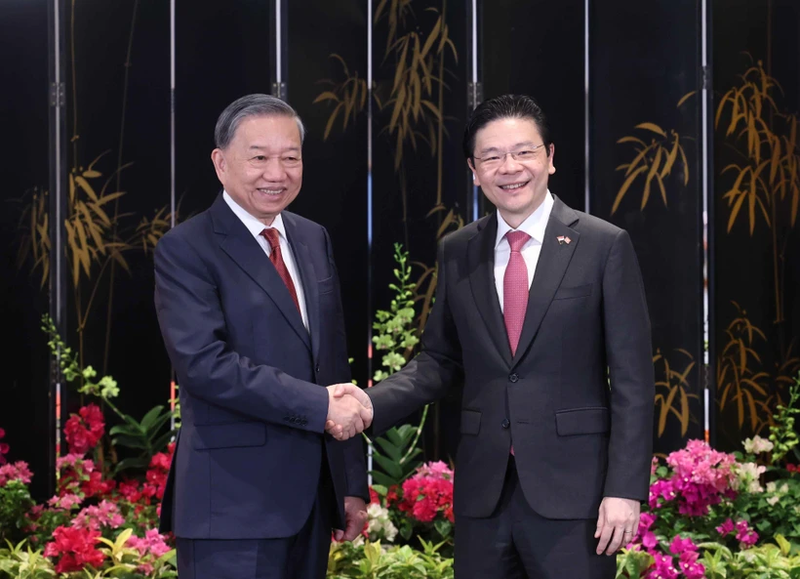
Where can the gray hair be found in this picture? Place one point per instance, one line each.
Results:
(252, 105)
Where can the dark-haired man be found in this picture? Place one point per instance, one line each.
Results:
(536, 306)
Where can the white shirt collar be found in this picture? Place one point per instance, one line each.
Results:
(534, 225)
(254, 226)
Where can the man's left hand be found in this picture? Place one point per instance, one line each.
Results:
(617, 523)
(355, 512)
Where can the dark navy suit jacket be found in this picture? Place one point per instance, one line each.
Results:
(251, 377)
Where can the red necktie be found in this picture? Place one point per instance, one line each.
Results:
(515, 288)
(276, 257)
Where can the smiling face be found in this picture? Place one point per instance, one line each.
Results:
(516, 187)
(262, 168)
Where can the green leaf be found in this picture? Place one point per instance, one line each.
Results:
(160, 443)
(389, 467)
(158, 425)
(393, 451)
(129, 441)
(125, 429)
(381, 478)
(443, 527)
(151, 417)
(131, 463)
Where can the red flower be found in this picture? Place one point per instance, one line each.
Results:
(425, 496)
(157, 475)
(130, 490)
(96, 486)
(374, 497)
(76, 547)
(392, 496)
(4, 448)
(83, 431)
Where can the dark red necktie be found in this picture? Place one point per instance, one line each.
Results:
(276, 257)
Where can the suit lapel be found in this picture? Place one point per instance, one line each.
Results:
(239, 244)
(550, 269)
(308, 277)
(480, 260)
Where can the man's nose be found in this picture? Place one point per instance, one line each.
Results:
(509, 164)
(274, 170)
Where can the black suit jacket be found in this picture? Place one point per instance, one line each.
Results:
(576, 439)
(253, 405)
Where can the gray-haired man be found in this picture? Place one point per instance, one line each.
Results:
(249, 306)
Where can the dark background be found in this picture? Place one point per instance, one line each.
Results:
(643, 60)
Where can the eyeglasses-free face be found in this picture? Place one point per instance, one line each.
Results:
(262, 166)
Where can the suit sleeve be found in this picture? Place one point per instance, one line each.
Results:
(194, 329)
(429, 376)
(353, 449)
(629, 356)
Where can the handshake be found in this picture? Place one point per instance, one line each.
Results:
(349, 411)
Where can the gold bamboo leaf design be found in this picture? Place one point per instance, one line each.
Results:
(349, 97)
(672, 390)
(685, 98)
(655, 161)
(652, 127)
(93, 237)
(412, 108)
(739, 380)
(767, 139)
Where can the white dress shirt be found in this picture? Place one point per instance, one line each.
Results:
(255, 227)
(534, 226)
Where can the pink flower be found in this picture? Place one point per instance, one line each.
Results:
(15, 471)
(106, 514)
(436, 470)
(690, 567)
(662, 568)
(725, 527)
(649, 540)
(746, 536)
(152, 546)
(679, 545)
(702, 477)
(65, 502)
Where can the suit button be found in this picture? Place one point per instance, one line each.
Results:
(506, 423)
(316, 368)
(513, 378)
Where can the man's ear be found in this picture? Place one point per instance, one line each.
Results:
(475, 179)
(220, 164)
(552, 168)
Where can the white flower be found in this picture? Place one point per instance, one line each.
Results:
(757, 445)
(379, 524)
(784, 488)
(772, 487)
(772, 500)
(748, 474)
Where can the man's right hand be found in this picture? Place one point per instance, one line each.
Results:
(349, 411)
